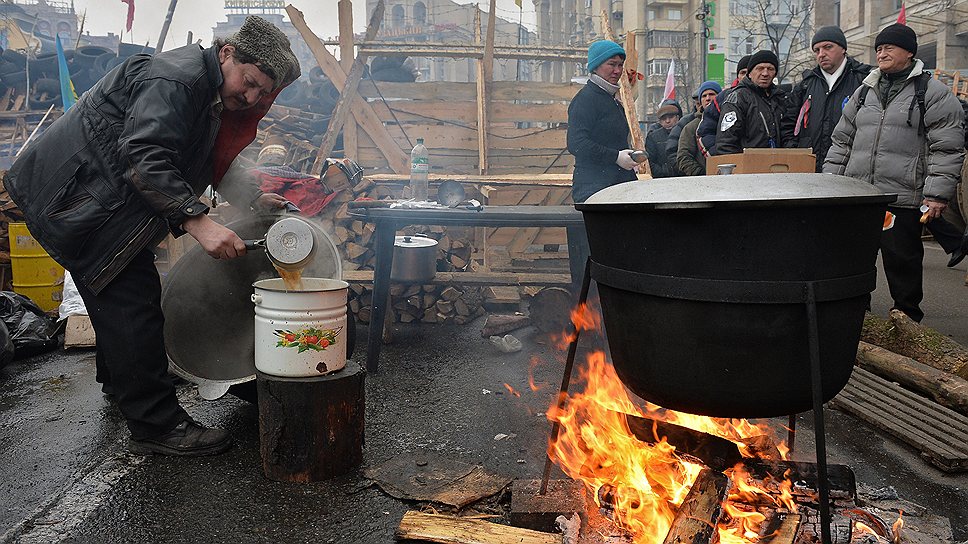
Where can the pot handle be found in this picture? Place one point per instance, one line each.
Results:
(256, 298)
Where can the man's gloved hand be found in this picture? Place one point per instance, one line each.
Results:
(625, 159)
(218, 241)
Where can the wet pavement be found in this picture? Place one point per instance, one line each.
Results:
(65, 474)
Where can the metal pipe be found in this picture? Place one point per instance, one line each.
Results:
(164, 27)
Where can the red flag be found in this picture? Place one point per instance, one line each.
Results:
(669, 93)
(130, 4)
(802, 119)
(902, 16)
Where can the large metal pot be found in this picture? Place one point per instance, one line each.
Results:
(414, 259)
(704, 293)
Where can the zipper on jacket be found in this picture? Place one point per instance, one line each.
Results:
(877, 139)
(131, 242)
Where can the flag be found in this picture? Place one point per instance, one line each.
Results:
(518, 2)
(130, 20)
(68, 94)
(902, 16)
(803, 118)
(670, 85)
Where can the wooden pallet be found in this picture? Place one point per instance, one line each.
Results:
(509, 248)
(939, 434)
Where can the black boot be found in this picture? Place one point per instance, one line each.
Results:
(186, 439)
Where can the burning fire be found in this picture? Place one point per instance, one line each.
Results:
(644, 484)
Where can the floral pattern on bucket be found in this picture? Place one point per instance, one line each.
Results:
(307, 339)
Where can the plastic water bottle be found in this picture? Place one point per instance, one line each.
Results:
(419, 170)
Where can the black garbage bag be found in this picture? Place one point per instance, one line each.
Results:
(6, 346)
(29, 328)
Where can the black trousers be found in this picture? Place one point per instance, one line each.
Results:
(902, 253)
(946, 234)
(127, 319)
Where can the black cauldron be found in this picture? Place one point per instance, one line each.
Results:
(705, 284)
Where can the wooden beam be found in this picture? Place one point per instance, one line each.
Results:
(700, 511)
(453, 530)
(348, 93)
(472, 51)
(364, 114)
(346, 54)
(628, 103)
(485, 72)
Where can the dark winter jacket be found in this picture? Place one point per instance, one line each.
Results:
(689, 158)
(672, 144)
(825, 110)
(597, 131)
(123, 167)
(751, 118)
(709, 125)
(875, 143)
(662, 163)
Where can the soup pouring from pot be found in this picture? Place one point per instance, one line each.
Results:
(290, 245)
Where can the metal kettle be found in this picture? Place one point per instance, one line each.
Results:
(289, 243)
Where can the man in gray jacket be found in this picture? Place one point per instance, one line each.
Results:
(906, 144)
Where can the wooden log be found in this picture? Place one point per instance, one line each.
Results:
(782, 529)
(501, 324)
(311, 429)
(451, 294)
(550, 309)
(903, 336)
(445, 529)
(945, 388)
(696, 519)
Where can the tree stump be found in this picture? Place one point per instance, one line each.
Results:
(311, 429)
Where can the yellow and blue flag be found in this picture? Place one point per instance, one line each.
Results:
(68, 94)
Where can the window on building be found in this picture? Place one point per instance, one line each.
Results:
(741, 43)
(419, 14)
(674, 14)
(897, 4)
(43, 28)
(666, 38)
(743, 8)
(397, 16)
(837, 13)
(64, 30)
(659, 67)
(652, 15)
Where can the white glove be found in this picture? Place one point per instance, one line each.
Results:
(625, 159)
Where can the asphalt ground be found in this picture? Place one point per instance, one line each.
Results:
(65, 475)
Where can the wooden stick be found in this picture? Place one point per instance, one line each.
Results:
(347, 46)
(165, 26)
(453, 530)
(346, 95)
(628, 103)
(699, 513)
(485, 72)
(31, 137)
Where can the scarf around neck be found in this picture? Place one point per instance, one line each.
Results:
(606, 86)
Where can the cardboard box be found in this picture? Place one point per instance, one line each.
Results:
(765, 161)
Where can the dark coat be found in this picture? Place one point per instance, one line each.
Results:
(597, 131)
(689, 159)
(672, 144)
(709, 126)
(123, 167)
(661, 162)
(826, 107)
(751, 118)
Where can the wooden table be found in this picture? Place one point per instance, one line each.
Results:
(389, 220)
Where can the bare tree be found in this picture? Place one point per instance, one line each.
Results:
(781, 26)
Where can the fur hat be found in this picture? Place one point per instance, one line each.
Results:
(262, 41)
(899, 35)
(602, 50)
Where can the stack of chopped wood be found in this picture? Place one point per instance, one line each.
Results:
(421, 303)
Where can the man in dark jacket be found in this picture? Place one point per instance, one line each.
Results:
(710, 119)
(753, 112)
(818, 100)
(122, 169)
(663, 163)
(689, 158)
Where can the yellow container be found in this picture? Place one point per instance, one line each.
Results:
(35, 274)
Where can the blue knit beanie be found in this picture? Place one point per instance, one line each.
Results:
(707, 85)
(600, 51)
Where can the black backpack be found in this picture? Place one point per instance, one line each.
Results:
(920, 87)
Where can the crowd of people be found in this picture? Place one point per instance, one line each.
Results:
(892, 125)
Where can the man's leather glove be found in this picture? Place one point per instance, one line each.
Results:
(625, 159)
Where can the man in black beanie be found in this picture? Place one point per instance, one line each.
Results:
(817, 101)
(124, 168)
(753, 112)
(903, 132)
(706, 133)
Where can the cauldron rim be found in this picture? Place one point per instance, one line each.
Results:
(739, 190)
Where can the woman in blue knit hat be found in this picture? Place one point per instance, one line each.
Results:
(598, 137)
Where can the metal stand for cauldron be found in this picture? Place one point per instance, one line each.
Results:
(793, 292)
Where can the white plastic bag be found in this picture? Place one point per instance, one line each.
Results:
(71, 302)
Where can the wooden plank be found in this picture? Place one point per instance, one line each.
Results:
(485, 71)
(346, 48)
(524, 237)
(913, 420)
(347, 93)
(444, 529)
(545, 180)
(362, 112)
(628, 102)
(473, 278)
(79, 333)
(501, 91)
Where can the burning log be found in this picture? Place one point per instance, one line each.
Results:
(712, 451)
(550, 309)
(945, 388)
(453, 530)
(782, 529)
(903, 336)
(698, 516)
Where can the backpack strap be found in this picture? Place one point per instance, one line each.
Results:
(862, 96)
(920, 88)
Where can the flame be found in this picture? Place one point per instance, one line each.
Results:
(644, 484)
(897, 526)
(512, 390)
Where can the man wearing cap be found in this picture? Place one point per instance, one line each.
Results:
(672, 144)
(663, 163)
(689, 158)
(905, 144)
(122, 169)
(753, 112)
(817, 101)
(710, 119)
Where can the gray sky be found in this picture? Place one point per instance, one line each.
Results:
(199, 16)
